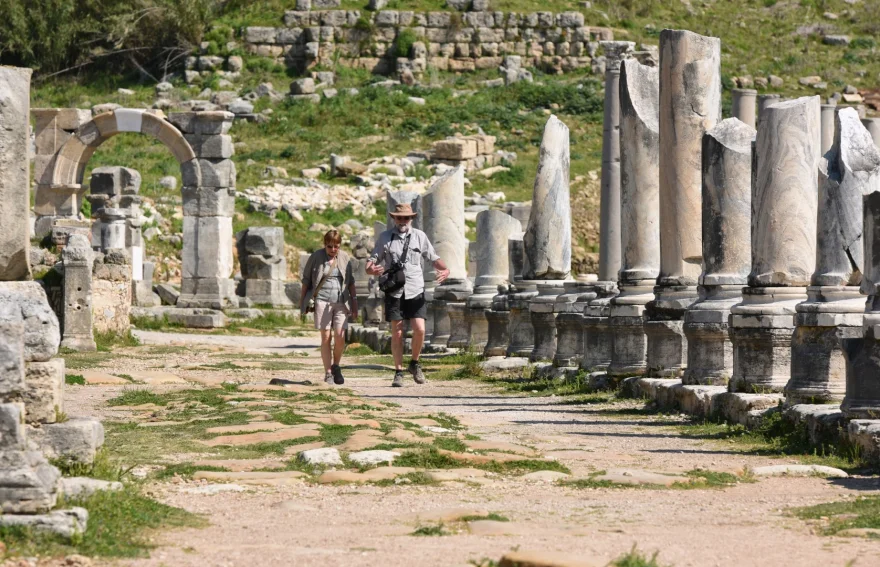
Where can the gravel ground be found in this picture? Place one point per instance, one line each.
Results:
(316, 525)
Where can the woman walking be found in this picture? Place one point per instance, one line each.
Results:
(328, 291)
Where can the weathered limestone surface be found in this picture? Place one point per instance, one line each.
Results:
(26, 302)
(78, 260)
(873, 126)
(548, 237)
(263, 265)
(15, 84)
(609, 212)
(690, 99)
(784, 202)
(111, 291)
(727, 163)
(640, 223)
(596, 329)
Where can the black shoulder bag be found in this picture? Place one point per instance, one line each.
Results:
(394, 277)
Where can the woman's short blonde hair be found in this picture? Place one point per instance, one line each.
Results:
(333, 237)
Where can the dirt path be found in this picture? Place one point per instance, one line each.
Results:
(316, 524)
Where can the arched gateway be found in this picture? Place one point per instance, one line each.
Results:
(200, 143)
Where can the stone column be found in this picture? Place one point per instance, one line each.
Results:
(784, 208)
(835, 310)
(547, 241)
(569, 310)
(766, 100)
(609, 213)
(690, 99)
(15, 85)
(443, 222)
(521, 212)
(639, 221)
(827, 119)
(78, 261)
(596, 328)
(494, 229)
(873, 127)
(727, 216)
(743, 106)
(520, 330)
(113, 228)
(498, 319)
(208, 205)
(862, 399)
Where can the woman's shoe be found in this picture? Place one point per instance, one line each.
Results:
(328, 378)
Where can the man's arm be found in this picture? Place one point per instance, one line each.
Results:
(374, 264)
(439, 265)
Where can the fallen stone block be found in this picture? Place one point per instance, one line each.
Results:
(197, 318)
(369, 458)
(167, 293)
(76, 440)
(327, 456)
(799, 470)
(65, 523)
(83, 487)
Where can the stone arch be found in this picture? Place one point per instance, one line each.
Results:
(73, 156)
(200, 143)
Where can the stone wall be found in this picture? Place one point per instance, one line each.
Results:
(445, 41)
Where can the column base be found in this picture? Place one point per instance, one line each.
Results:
(207, 293)
(497, 339)
(543, 317)
(709, 350)
(862, 399)
(761, 329)
(458, 324)
(521, 331)
(664, 326)
(629, 350)
(267, 292)
(569, 340)
(831, 315)
(79, 343)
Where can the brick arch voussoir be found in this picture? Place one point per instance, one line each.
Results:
(74, 155)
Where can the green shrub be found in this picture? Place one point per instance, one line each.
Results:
(404, 42)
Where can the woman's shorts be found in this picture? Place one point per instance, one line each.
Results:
(330, 316)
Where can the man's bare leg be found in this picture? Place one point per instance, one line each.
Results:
(397, 344)
(418, 337)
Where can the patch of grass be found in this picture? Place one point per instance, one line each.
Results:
(75, 379)
(103, 467)
(225, 365)
(431, 530)
(184, 470)
(450, 444)
(418, 478)
(635, 558)
(288, 417)
(862, 512)
(119, 525)
(359, 350)
(107, 341)
(84, 360)
(491, 516)
(336, 434)
(776, 435)
(136, 397)
(702, 479)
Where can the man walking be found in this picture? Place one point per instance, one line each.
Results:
(407, 303)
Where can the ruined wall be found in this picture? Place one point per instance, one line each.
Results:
(445, 41)
(111, 292)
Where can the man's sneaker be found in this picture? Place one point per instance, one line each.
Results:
(328, 378)
(416, 370)
(398, 379)
(337, 374)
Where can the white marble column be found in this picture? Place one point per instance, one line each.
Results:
(443, 222)
(835, 309)
(784, 209)
(690, 104)
(827, 112)
(639, 221)
(744, 106)
(547, 240)
(494, 229)
(873, 126)
(727, 215)
(609, 204)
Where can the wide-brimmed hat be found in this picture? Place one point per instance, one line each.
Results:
(403, 210)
